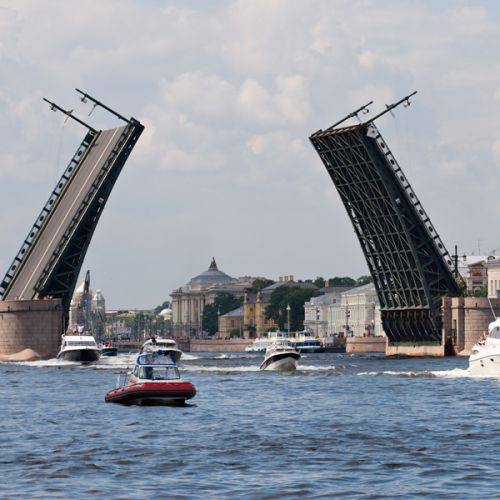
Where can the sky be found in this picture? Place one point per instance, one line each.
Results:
(229, 93)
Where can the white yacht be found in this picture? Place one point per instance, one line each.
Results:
(166, 346)
(79, 347)
(485, 355)
(280, 356)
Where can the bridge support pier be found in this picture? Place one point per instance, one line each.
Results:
(31, 324)
(416, 349)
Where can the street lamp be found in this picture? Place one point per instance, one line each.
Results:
(288, 318)
(218, 322)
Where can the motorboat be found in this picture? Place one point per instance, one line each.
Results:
(485, 355)
(79, 347)
(154, 380)
(281, 355)
(108, 349)
(166, 346)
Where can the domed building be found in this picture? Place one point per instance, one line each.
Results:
(189, 301)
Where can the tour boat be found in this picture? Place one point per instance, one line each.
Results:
(79, 347)
(485, 355)
(302, 341)
(154, 380)
(166, 346)
(280, 356)
(305, 342)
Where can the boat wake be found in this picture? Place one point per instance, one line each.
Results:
(220, 369)
(188, 357)
(454, 373)
(313, 368)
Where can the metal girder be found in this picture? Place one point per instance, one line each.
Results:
(409, 263)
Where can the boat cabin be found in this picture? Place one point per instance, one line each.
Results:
(155, 366)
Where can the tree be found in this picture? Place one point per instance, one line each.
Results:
(364, 280)
(319, 282)
(345, 281)
(258, 285)
(295, 297)
(223, 303)
(481, 292)
(165, 305)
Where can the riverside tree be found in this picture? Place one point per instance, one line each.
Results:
(223, 303)
(293, 296)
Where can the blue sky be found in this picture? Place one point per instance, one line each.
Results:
(229, 93)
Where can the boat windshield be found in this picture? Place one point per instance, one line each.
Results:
(159, 373)
(495, 332)
(165, 343)
(74, 343)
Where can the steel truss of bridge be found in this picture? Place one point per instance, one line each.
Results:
(50, 258)
(408, 262)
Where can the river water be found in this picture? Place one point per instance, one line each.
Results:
(357, 426)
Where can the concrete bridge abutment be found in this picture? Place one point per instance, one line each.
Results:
(31, 324)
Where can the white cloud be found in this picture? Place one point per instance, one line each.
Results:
(229, 93)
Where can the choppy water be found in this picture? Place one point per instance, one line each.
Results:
(343, 425)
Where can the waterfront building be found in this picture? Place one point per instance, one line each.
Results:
(87, 310)
(231, 324)
(166, 314)
(357, 313)
(317, 309)
(493, 278)
(255, 305)
(473, 269)
(80, 307)
(189, 301)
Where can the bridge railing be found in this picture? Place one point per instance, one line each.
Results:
(88, 200)
(44, 215)
(405, 184)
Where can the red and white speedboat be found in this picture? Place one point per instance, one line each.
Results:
(154, 380)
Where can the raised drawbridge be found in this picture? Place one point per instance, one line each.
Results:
(409, 264)
(50, 258)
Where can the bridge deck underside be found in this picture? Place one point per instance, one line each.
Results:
(407, 260)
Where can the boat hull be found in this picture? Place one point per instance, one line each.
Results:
(109, 351)
(281, 362)
(152, 393)
(80, 355)
(485, 364)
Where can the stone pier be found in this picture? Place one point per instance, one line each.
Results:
(31, 324)
(365, 344)
(465, 319)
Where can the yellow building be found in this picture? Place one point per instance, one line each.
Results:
(231, 324)
(255, 305)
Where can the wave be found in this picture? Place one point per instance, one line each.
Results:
(188, 357)
(454, 373)
(313, 368)
(221, 369)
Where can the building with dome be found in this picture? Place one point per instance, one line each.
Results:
(87, 309)
(189, 301)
